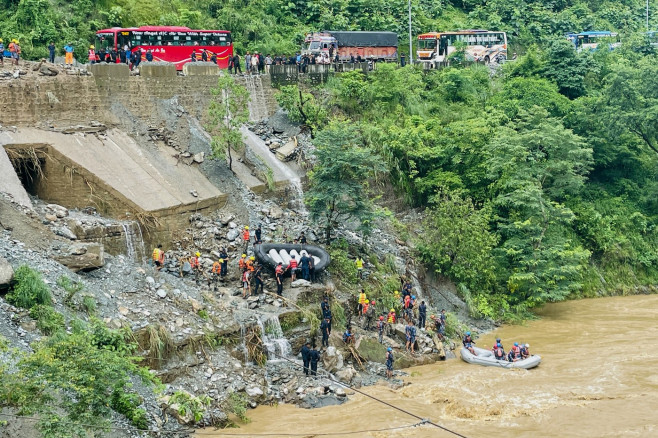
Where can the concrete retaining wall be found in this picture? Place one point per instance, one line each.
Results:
(159, 70)
(200, 69)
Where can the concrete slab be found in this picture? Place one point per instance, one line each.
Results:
(151, 179)
(200, 69)
(157, 70)
(110, 70)
(9, 181)
(285, 151)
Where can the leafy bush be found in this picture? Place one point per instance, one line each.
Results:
(29, 289)
(127, 403)
(48, 319)
(237, 403)
(189, 404)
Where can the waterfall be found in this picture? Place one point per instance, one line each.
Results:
(257, 101)
(276, 344)
(135, 249)
(297, 197)
(243, 339)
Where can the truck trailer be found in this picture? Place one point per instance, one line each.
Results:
(370, 46)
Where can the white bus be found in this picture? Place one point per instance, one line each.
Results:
(481, 45)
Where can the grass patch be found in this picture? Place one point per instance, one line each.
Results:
(88, 305)
(71, 287)
(49, 320)
(29, 289)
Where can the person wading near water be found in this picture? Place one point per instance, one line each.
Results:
(314, 357)
(158, 257)
(306, 356)
(389, 362)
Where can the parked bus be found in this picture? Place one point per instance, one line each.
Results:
(169, 43)
(481, 45)
(590, 40)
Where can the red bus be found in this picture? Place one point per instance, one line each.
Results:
(168, 43)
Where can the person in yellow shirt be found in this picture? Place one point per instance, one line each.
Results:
(359, 267)
(362, 301)
(158, 257)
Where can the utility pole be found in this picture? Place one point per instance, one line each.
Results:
(411, 55)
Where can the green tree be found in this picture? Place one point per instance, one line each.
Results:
(535, 164)
(302, 107)
(457, 242)
(566, 67)
(339, 188)
(227, 112)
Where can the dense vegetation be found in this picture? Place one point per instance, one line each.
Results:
(279, 25)
(541, 180)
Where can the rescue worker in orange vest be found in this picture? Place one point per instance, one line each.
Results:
(250, 264)
(216, 270)
(196, 266)
(242, 263)
(91, 55)
(245, 237)
(158, 257)
(278, 273)
(293, 268)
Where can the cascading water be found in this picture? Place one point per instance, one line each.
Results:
(276, 344)
(257, 101)
(135, 249)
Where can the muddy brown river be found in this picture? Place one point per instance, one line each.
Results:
(598, 378)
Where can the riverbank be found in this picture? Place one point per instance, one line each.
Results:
(595, 380)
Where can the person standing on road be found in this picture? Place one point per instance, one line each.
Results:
(68, 55)
(236, 64)
(51, 52)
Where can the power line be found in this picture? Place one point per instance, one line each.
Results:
(328, 377)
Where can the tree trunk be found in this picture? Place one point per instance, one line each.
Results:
(327, 234)
(230, 160)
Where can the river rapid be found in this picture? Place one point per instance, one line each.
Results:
(597, 378)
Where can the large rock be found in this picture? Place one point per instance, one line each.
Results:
(232, 234)
(83, 257)
(6, 274)
(346, 374)
(300, 283)
(332, 359)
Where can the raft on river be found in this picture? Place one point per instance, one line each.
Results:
(486, 358)
(271, 254)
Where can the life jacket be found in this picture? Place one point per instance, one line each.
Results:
(216, 267)
(391, 317)
(279, 269)
(516, 352)
(499, 353)
(194, 262)
(11, 47)
(359, 264)
(156, 254)
(407, 302)
(250, 265)
(92, 55)
(362, 298)
(467, 341)
(292, 264)
(365, 308)
(245, 235)
(242, 263)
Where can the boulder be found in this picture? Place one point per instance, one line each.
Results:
(275, 212)
(300, 283)
(83, 257)
(254, 391)
(346, 375)
(6, 274)
(332, 359)
(232, 234)
(65, 232)
(200, 157)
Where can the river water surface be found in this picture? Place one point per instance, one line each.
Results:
(598, 378)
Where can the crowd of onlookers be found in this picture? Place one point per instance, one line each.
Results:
(258, 63)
